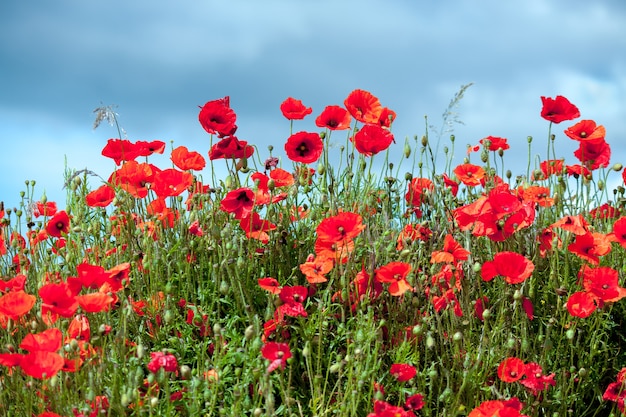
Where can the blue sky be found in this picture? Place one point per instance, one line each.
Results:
(158, 61)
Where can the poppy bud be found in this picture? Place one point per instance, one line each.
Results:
(452, 138)
(617, 167)
(529, 139)
(407, 150)
(424, 141)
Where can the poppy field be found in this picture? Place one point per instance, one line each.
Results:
(354, 274)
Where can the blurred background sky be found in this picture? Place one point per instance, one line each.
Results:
(159, 61)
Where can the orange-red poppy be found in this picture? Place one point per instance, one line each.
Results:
(334, 118)
(120, 150)
(256, 228)
(95, 302)
(395, 274)
(603, 283)
(594, 155)
(590, 247)
(342, 227)
(469, 174)
(417, 187)
(575, 224)
(100, 197)
(238, 202)
(316, 269)
(402, 371)
(512, 266)
(187, 160)
(586, 131)
(270, 284)
(15, 304)
(171, 182)
(452, 252)
(372, 139)
(582, 304)
(363, 106)
(293, 109)
(511, 369)
(495, 143)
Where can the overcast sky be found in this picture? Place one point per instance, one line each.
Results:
(159, 61)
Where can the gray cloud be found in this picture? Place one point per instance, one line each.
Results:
(159, 61)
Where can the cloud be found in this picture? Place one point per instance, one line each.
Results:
(159, 61)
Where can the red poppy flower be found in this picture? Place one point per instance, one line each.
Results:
(415, 194)
(293, 109)
(49, 340)
(79, 328)
(551, 167)
(295, 294)
(411, 233)
(120, 150)
(492, 408)
(602, 282)
(304, 147)
(451, 184)
(58, 224)
(334, 118)
(452, 252)
(590, 247)
(582, 304)
(527, 306)
(414, 402)
(387, 116)
(495, 143)
(282, 178)
(145, 148)
(186, 160)
(535, 194)
(586, 131)
(42, 364)
(49, 208)
(270, 284)
(372, 139)
(511, 369)
(395, 273)
(159, 360)
(605, 211)
(95, 302)
(469, 174)
(15, 304)
(535, 381)
(480, 306)
(17, 283)
(134, 178)
(619, 231)
(594, 155)
(363, 106)
(256, 228)
(515, 268)
(315, 269)
(580, 170)
(216, 116)
(57, 299)
(402, 371)
(239, 202)
(558, 109)
(277, 354)
(171, 182)
(341, 227)
(384, 409)
(100, 197)
(573, 224)
(230, 148)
